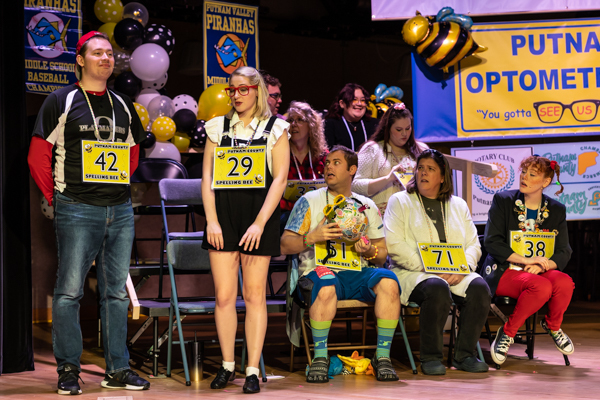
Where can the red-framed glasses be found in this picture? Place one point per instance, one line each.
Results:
(243, 90)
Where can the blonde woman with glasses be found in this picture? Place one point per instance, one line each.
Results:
(246, 161)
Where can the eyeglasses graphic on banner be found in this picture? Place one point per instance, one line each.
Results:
(550, 112)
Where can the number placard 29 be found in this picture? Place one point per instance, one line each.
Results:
(240, 167)
(105, 162)
(444, 258)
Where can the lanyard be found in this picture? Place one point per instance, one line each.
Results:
(311, 166)
(235, 142)
(112, 107)
(429, 219)
(350, 133)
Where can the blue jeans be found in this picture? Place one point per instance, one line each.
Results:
(85, 233)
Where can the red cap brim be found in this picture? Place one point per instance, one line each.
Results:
(84, 39)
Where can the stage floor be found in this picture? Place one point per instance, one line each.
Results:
(545, 377)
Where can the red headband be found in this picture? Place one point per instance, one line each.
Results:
(84, 39)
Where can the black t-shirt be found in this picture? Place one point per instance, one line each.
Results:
(337, 133)
(65, 120)
(433, 208)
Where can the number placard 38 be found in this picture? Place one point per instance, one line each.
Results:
(533, 244)
(104, 162)
(240, 167)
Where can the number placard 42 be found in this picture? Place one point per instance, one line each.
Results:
(104, 162)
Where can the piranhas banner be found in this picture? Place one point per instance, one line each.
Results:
(52, 29)
(536, 78)
(230, 40)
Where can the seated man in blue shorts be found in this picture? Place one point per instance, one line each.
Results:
(320, 287)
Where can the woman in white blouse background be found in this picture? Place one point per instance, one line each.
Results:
(391, 148)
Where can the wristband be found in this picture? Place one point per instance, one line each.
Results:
(304, 241)
(374, 256)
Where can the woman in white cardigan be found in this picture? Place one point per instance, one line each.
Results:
(391, 148)
(427, 212)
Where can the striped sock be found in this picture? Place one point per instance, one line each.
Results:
(385, 334)
(320, 331)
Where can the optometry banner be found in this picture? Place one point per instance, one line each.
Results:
(536, 78)
(579, 174)
(52, 29)
(230, 40)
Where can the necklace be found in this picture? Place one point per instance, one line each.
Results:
(96, 130)
(429, 219)
(235, 142)
(311, 167)
(542, 214)
(350, 133)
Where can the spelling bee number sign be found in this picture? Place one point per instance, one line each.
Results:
(532, 244)
(344, 255)
(240, 167)
(444, 258)
(105, 162)
(297, 188)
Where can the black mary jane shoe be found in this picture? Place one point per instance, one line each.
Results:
(251, 385)
(223, 376)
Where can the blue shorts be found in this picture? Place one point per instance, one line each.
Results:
(349, 285)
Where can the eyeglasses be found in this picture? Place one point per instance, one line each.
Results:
(359, 101)
(275, 96)
(243, 90)
(550, 112)
(296, 120)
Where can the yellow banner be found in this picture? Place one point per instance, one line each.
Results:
(535, 78)
(444, 258)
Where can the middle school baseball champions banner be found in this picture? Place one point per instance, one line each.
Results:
(536, 78)
(230, 40)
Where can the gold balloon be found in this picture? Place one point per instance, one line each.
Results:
(108, 11)
(108, 29)
(163, 128)
(415, 29)
(143, 114)
(181, 141)
(371, 106)
(213, 102)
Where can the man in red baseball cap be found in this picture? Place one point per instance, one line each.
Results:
(93, 219)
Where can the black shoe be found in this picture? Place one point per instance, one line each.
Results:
(499, 348)
(251, 385)
(126, 379)
(223, 376)
(68, 380)
(318, 372)
(434, 367)
(384, 370)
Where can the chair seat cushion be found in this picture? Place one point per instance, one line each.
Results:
(205, 307)
(186, 235)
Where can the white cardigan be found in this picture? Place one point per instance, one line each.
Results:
(406, 224)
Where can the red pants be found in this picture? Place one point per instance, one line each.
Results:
(532, 292)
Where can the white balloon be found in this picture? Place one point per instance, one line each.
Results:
(164, 150)
(146, 96)
(157, 84)
(185, 101)
(160, 106)
(47, 209)
(149, 62)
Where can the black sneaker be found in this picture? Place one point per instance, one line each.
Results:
(68, 380)
(126, 379)
(318, 372)
(499, 348)
(561, 340)
(223, 377)
(251, 385)
(384, 370)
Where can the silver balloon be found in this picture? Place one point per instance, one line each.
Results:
(121, 62)
(136, 11)
(161, 106)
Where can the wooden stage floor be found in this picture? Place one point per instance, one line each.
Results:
(545, 377)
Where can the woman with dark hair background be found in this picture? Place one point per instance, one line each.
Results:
(348, 121)
(392, 148)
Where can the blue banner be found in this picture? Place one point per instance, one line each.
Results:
(230, 40)
(52, 29)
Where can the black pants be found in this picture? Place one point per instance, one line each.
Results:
(435, 299)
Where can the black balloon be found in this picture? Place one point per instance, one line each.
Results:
(185, 120)
(160, 35)
(149, 141)
(129, 84)
(198, 135)
(129, 33)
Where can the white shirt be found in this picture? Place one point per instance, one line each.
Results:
(214, 131)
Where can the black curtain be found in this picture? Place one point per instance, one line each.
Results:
(16, 337)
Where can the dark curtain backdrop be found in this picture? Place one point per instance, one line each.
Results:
(16, 339)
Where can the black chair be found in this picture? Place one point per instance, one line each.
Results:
(524, 336)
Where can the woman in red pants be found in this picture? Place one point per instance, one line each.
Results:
(529, 271)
